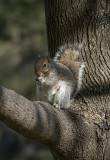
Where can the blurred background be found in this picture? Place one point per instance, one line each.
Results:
(22, 37)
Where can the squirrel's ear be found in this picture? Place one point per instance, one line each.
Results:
(48, 57)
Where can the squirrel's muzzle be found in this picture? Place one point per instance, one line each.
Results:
(37, 78)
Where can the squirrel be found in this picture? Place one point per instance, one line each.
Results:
(59, 79)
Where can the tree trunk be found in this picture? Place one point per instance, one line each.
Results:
(81, 132)
(86, 22)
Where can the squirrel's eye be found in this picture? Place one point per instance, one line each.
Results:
(44, 65)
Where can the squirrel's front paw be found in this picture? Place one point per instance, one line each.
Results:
(56, 106)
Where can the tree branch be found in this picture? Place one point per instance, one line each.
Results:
(41, 121)
(28, 118)
(36, 120)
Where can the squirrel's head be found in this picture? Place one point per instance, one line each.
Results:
(42, 68)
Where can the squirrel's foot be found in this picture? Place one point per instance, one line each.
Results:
(56, 106)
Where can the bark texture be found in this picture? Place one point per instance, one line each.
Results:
(83, 131)
(65, 132)
(86, 22)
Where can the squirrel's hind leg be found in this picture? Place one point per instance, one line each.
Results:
(62, 96)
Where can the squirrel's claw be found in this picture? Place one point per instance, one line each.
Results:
(56, 106)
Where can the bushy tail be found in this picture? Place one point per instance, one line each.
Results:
(68, 55)
(68, 51)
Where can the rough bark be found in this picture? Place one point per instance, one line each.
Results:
(86, 22)
(65, 132)
(83, 131)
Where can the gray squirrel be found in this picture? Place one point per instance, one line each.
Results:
(59, 79)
